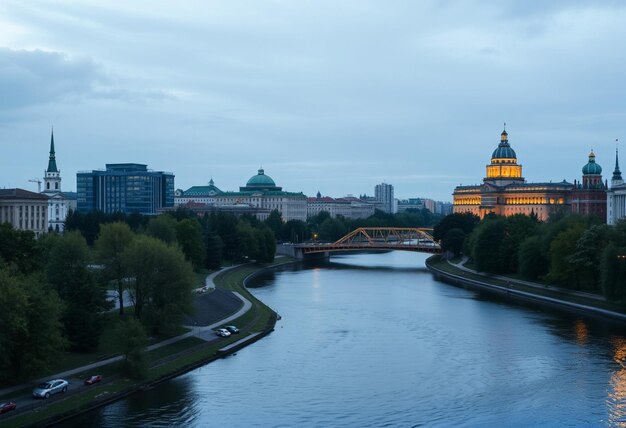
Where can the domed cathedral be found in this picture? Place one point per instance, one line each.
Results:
(589, 196)
(504, 190)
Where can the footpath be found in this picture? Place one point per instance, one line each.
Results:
(503, 285)
(203, 332)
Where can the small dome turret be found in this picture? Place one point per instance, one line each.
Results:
(592, 168)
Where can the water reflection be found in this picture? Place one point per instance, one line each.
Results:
(363, 346)
(616, 401)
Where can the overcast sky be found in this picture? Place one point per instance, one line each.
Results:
(334, 96)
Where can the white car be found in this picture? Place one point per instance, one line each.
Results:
(222, 332)
(51, 387)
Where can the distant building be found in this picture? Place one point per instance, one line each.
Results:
(410, 204)
(589, 196)
(348, 207)
(505, 192)
(59, 203)
(24, 210)
(260, 195)
(384, 196)
(616, 196)
(124, 187)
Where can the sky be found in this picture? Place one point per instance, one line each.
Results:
(335, 96)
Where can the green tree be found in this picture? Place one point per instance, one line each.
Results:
(227, 230)
(249, 244)
(586, 258)
(214, 247)
(20, 248)
(30, 328)
(162, 227)
(68, 274)
(132, 341)
(162, 281)
(453, 241)
(110, 245)
(532, 258)
(275, 222)
(464, 221)
(189, 237)
(562, 271)
(487, 245)
(295, 231)
(332, 229)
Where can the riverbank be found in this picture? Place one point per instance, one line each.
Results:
(180, 355)
(568, 300)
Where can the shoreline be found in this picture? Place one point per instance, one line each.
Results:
(525, 296)
(104, 398)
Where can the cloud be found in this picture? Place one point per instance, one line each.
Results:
(35, 77)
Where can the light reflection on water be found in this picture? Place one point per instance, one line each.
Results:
(373, 340)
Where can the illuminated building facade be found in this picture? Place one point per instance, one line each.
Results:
(505, 191)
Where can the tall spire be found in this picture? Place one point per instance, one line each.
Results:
(617, 174)
(52, 163)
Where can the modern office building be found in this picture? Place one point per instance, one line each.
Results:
(616, 196)
(124, 187)
(383, 193)
(260, 194)
(59, 203)
(24, 210)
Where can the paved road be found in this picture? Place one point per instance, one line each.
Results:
(224, 302)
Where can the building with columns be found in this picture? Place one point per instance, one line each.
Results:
(59, 203)
(24, 210)
(260, 196)
(616, 195)
(504, 190)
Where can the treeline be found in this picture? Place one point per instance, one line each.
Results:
(53, 294)
(572, 251)
(322, 227)
(205, 240)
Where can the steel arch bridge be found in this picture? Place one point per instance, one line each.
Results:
(378, 238)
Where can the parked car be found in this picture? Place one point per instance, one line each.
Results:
(222, 332)
(46, 389)
(232, 329)
(7, 407)
(93, 379)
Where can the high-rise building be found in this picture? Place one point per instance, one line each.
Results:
(383, 193)
(125, 187)
(59, 203)
(616, 195)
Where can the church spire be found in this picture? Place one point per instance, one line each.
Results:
(617, 174)
(52, 163)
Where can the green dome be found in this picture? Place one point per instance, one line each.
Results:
(592, 167)
(261, 180)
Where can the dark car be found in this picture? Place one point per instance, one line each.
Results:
(7, 407)
(93, 379)
(232, 329)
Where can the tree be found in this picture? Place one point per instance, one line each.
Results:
(30, 333)
(464, 221)
(266, 245)
(487, 245)
(162, 227)
(161, 284)
(19, 247)
(294, 231)
(214, 247)
(532, 258)
(453, 241)
(275, 222)
(68, 274)
(563, 246)
(113, 240)
(226, 225)
(189, 237)
(249, 244)
(132, 341)
(586, 258)
(332, 229)
(613, 268)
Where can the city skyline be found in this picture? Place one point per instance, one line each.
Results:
(359, 93)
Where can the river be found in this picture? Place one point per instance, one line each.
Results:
(373, 340)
